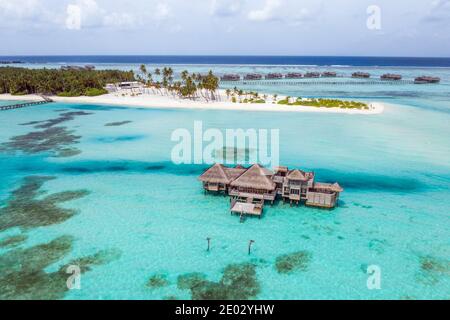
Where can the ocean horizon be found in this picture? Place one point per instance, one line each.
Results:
(268, 60)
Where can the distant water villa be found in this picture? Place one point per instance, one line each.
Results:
(250, 188)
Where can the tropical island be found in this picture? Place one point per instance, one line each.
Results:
(157, 89)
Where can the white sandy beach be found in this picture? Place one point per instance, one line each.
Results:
(161, 102)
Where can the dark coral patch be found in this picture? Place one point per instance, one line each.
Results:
(239, 282)
(23, 270)
(297, 261)
(25, 211)
(56, 140)
(432, 269)
(157, 281)
(13, 241)
(117, 124)
(63, 117)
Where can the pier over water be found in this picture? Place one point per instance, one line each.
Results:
(44, 100)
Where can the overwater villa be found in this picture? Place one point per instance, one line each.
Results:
(230, 77)
(250, 188)
(390, 76)
(426, 79)
(253, 76)
(361, 75)
(274, 76)
(329, 74)
(294, 75)
(312, 75)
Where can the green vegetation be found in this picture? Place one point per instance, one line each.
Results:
(326, 103)
(191, 86)
(68, 83)
(92, 92)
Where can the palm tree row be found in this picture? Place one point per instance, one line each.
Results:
(190, 86)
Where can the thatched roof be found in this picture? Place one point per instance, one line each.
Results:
(256, 177)
(335, 187)
(215, 174)
(218, 173)
(298, 175)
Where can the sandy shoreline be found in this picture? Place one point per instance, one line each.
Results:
(161, 102)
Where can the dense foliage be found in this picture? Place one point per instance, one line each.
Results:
(327, 103)
(19, 81)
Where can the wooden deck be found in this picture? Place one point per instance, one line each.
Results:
(247, 207)
(26, 104)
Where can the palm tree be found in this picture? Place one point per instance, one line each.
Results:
(228, 92)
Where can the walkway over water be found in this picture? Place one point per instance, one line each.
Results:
(26, 104)
(314, 82)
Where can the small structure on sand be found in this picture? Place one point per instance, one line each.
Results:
(250, 188)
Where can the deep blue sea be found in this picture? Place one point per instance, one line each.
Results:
(94, 185)
(239, 60)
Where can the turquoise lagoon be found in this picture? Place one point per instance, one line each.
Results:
(394, 212)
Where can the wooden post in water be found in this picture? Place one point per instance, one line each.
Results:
(209, 243)
(250, 246)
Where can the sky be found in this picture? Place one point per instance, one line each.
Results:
(226, 27)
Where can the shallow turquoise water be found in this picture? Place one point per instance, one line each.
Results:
(394, 211)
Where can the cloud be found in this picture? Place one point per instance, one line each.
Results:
(266, 13)
(162, 12)
(226, 8)
(440, 11)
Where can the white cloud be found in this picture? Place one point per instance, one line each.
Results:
(440, 11)
(266, 13)
(19, 9)
(226, 8)
(162, 12)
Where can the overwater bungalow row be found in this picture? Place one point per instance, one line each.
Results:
(274, 76)
(294, 75)
(361, 75)
(253, 76)
(426, 79)
(390, 76)
(230, 77)
(329, 74)
(250, 188)
(312, 75)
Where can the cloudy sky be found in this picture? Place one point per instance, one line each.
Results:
(239, 27)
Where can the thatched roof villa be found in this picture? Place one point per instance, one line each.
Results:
(427, 79)
(294, 75)
(312, 75)
(249, 188)
(329, 74)
(274, 76)
(390, 76)
(361, 75)
(253, 76)
(230, 77)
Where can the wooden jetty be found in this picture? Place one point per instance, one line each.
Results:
(26, 104)
(250, 188)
